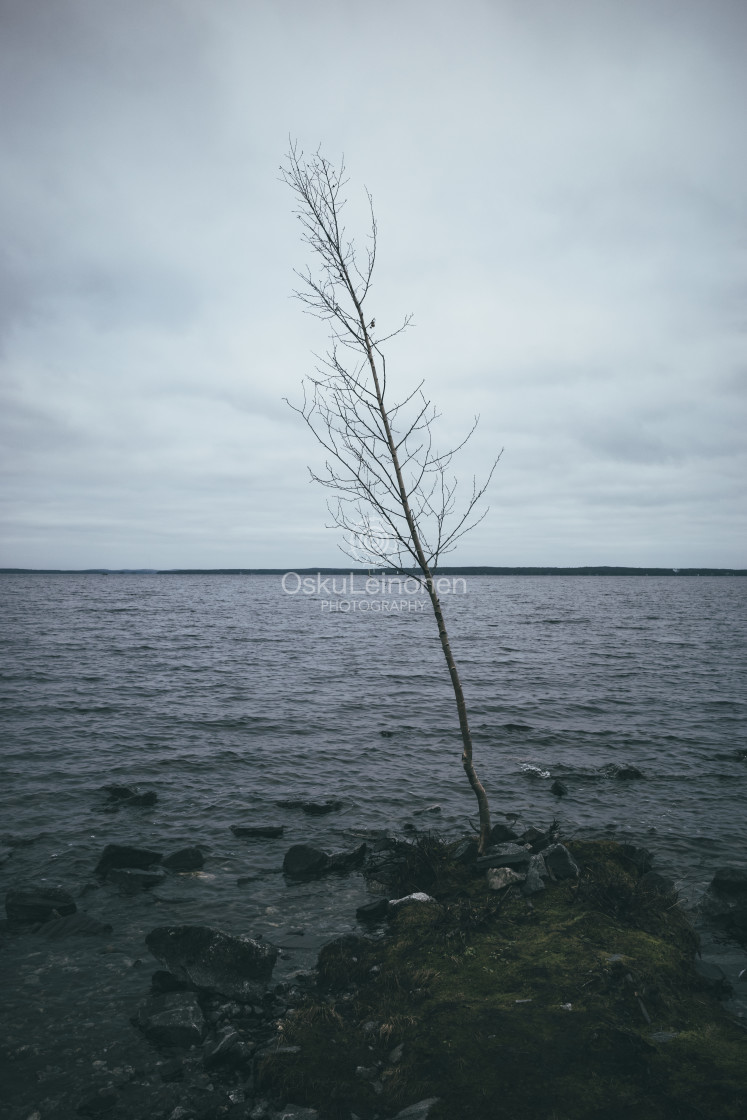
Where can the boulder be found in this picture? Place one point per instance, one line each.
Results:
(505, 855)
(560, 862)
(713, 978)
(347, 861)
(312, 808)
(466, 851)
(162, 981)
(186, 859)
(626, 772)
(220, 962)
(730, 880)
(501, 833)
(225, 1050)
(303, 861)
(500, 877)
(536, 872)
(373, 911)
(560, 789)
(37, 904)
(173, 1019)
(122, 855)
(257, 831)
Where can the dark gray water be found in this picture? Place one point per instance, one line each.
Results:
(225, 694)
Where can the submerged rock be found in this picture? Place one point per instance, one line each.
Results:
(173, 1019)
(186, 859)
(125, 795)
(730, 880)
(72, 924)
(37, 904)
(312, 808)
(560, 789)
(122, 855)
(257, 831)
(219, 962)
(303, 861)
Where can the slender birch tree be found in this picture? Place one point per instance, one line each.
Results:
(395, 496)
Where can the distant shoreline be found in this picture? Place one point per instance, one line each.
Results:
(598, 570)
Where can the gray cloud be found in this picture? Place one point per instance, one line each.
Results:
(560, 192)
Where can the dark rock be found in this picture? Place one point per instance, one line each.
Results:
(98, 1104)
(118, 793)
(72, 924)
(225, 1050)
(37, 904)
(713, 978)
(501, 833)
(560, 862)
(304, 862)
(505, 855)
(186, 859)
(466, 851)
(560, 789)
(124, 795)
(313, 808)
(373, 911)
(220, 962)
(347, 861)
(257, 831)
(626, 772)
(173, 1019)
(641, 858)
(172, 1070)
(162, 981)
(730, 880)
(122, 855)
(501, 877)
(132, 879)
(656, 883)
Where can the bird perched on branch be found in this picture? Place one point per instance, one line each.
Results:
(372, 324)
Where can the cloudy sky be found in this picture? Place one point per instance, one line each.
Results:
(560, 187)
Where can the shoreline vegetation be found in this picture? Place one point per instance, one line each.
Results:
(578, 998)
(545, 980)
(599, 570)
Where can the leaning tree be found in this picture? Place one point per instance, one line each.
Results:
(395, 495)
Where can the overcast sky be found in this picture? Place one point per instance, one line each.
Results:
(560, 187)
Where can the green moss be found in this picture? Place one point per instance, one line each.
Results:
(528, 1012)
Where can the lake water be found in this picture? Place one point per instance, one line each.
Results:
(227, 694)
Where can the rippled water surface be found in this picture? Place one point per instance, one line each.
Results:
(224, 695)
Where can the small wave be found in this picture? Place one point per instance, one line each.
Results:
(534, 771)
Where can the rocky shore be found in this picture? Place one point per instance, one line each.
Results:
(548, 977)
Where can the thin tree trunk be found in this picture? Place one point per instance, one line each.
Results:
(467, 763)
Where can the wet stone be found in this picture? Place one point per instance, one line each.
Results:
(560, 862)
(186, 859)
(258, 831)
(730, 880)
(174, 1019)
(505, 855)
(38, 904)
(303, 861)
(235, 967)
(122, 855)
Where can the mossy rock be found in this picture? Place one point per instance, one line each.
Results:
(581, 1006)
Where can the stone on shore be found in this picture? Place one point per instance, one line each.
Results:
(536, 873)
(500, 877)
(505, 855)
(419, 1111)
(560, 862)
(501, 833)
(234, 966)
(417, 897)
(173, 1019)
(37, 904)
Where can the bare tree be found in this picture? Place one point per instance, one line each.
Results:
(395, 495)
